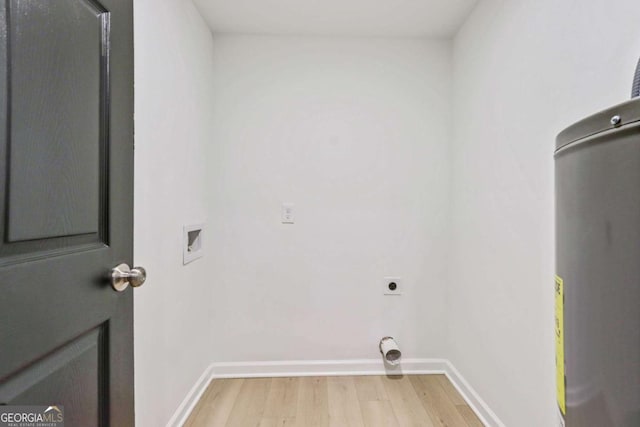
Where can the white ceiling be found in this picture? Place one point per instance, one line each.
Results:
(396, 18)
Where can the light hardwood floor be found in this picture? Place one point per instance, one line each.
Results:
(415, 400)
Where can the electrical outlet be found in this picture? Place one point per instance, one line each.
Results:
(286, 213)
(392, 286)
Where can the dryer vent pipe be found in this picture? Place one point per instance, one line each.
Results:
(390, 351)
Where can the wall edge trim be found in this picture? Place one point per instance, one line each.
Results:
(473, 399)
(185, 408)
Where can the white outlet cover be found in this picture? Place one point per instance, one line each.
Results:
(392, 279)
(287, 213)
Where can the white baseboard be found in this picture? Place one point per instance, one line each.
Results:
(192, 398)
(473, 399)
(305, 368)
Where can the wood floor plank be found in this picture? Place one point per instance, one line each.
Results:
(378, 413)
(370, 388)
(407, 407)
(367, 401)
(216, 404)
(282, 401)
(313, 405)
(436, 401)
(249, 407)
(278, 422)
(344, 407)
(469, 416)
(451, 391)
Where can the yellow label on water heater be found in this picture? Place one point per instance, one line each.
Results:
(560, 378)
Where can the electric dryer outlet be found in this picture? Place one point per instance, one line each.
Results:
(392, 286)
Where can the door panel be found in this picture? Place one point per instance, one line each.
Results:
(55, 375)
(56, 137)
(66, 200)
(55, 131)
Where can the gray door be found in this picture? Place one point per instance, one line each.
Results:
(66, 174)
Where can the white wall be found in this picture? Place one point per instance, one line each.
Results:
(173, 104)
(355, 133)
(523, 70)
